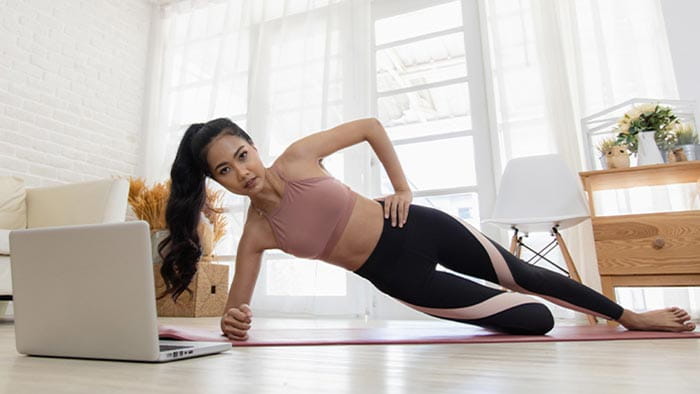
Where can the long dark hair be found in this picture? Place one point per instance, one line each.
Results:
(186, 201)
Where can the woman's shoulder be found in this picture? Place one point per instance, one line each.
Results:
(294, 166)
(257, 231)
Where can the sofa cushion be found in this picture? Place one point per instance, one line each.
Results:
(13, 206)
(100, 201)
(4, 242)
(5, 278)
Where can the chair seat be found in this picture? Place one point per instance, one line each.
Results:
(541, 224)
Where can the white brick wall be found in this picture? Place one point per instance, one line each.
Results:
(72, 83)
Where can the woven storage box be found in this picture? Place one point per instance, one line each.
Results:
(209, 292)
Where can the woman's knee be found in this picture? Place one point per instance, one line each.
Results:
(542, 320)
(527, 319)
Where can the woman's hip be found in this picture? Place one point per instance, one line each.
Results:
(407, 251)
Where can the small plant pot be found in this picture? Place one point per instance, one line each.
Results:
(691, 151)
(616, 157)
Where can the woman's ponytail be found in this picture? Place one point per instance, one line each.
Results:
(181, 249)
(182, 213)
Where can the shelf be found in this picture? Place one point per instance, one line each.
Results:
(650, 175)
(637, 216)
(648, 249)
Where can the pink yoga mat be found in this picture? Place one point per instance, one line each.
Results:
(413, 335)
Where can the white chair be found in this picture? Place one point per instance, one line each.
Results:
(540, 194)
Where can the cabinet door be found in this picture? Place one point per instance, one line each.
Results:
(659, 243)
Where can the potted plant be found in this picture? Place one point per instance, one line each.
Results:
(613, 154)
(646, 129)
(149, 203)
(207, 293)
(687, 139)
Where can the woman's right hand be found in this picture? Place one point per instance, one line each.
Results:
(236, 321)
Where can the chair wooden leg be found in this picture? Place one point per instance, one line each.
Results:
(572, 269)
(515, 246)
(514, 243)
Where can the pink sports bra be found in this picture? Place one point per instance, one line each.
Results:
(312, 215)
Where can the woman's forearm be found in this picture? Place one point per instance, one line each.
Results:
(382, 146)
(246, 275)
(239, 293)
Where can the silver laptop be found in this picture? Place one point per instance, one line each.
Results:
(87, 291)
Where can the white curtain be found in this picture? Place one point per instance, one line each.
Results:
(556, 61)
(280, 69)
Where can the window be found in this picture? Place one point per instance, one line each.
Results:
(430, 98)
(423, 97)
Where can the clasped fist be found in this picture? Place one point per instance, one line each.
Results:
(236, 322)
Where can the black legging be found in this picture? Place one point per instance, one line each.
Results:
(403, 263)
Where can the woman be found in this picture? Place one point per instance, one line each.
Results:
(298, 207)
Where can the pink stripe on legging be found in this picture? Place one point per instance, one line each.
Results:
(491, 306)
(505, 277)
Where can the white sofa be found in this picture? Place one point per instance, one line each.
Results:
(102, 201)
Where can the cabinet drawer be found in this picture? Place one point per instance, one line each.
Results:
(658, 243)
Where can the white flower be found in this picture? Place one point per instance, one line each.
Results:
(633, 113)
(649, 107)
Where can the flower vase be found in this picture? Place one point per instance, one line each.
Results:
(647, 151)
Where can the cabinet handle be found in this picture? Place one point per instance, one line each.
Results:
(659, 243)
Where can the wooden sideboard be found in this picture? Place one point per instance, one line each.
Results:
(651, 249)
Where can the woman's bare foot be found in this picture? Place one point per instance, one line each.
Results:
(668, 319)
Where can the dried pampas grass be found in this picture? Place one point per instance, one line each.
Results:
(149, 204)
(214, 211)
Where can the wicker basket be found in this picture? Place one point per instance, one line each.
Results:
(209, 292)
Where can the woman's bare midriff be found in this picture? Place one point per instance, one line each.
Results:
(360, 236)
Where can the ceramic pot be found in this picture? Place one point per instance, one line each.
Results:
(647, 151)
(617, 157)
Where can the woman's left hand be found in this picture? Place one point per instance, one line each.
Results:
(397, 205)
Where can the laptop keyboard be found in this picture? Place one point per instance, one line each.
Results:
(173, 347)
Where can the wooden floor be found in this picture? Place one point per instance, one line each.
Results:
(630, 366)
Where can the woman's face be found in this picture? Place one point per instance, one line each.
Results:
(235, 164)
